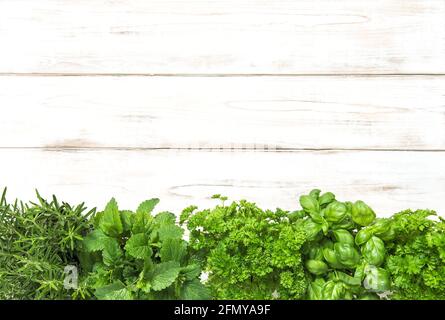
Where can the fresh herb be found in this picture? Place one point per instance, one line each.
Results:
(140, 256)
(37, 242)
(343, 259)
(248, 253)
(416, 259)
(327, 250)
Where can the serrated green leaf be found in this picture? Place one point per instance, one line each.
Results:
(191, 271)
(96, 219)
(170, 231)
(164, 274)
(194, 290)
(88, 259)
(165, 218)
(147, 206)
(114, 291)
(127, 220)
(96, 240)
(142, 222)
(111, 223)
(148, 266)
(111, 253)
(142, 282)
(173, 250)
(138, 246)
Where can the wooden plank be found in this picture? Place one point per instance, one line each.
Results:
(242, 36)
(224, 112)
(388, 181)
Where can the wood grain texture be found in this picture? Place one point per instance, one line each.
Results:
(406, 113)
(222, 37)
(388, 181)
(95, 136)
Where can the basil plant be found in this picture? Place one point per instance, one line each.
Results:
(345, 250)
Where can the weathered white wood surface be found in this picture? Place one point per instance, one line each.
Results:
(238, 36)
(388, 181)
(229, 112)
(94, 134)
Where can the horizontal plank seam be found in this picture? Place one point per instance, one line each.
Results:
(259, 149)
(6, 74)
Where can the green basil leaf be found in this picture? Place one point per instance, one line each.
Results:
(315, 193)
(346, 254)
(312, 229)
(309, 204)
(346, 223)
(374, 251)
(316, 267)
(347, 279)
(363, 236)
(335, 212)
(326, 198)
(334, 290)
(315, 289)
(343, 236)
(362, 214)
(315, 253)
(331, 258)
(384, 229)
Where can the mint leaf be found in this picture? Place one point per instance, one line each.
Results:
(111, 223)
(138, 246)
(164, 274)
(143, 218)
(111, 253)
(191, 271)
(96, 240)
(127, 220)
(170, 231)
(173, 250)
(194, 290)
(147, 206)
(114, 291)
(165, 218)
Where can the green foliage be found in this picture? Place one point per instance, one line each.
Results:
(374, 251)
(139, 256)
(37, 241)
(416, 261)
(249, 253)
(110, 222)
(362, 214)
(327, 250)
(341, 257)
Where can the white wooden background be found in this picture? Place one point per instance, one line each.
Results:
(252, 99)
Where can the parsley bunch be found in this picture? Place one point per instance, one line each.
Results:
(249, 253)
(416, 259)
